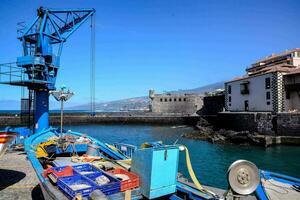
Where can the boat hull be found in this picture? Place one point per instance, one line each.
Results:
(277, 186)
(5, 139)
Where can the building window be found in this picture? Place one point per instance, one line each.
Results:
(184, 99)
(230, 104)
(229, 98)
(268, 102)
(245, 88)
(161, 100)
(268, 95)
(268, 83)
(175, 99)
(170, 99)
(166, 99)
(179, 99)
(229, 89)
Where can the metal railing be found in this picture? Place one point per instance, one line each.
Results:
(126, 149)
(11, 73)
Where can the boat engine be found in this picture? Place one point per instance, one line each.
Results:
(243, 179)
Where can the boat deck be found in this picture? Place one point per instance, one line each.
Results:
(18, 179)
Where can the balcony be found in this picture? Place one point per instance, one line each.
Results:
(245, 87)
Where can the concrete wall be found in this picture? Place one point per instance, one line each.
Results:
(262, 122)
(109, 118)
(288, 124)
(256, 98)
(176, 103)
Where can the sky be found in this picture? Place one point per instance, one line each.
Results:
(159, 44)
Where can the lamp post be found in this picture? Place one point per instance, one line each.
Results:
(62, 95)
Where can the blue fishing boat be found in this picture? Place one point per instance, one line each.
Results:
(275, 186)
(170, 187)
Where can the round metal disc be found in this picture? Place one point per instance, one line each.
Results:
(243, 177)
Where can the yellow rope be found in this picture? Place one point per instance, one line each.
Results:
(191, 171)
(192, 174)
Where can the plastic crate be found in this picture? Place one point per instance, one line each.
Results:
(65, 183)
(110, 188)
(132, 182)
(60, 171)
(86, 169)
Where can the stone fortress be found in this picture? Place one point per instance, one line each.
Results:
(172, 103)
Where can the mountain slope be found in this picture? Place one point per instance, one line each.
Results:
(203, 89)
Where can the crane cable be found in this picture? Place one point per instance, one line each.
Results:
(92, 70)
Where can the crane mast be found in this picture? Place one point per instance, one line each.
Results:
(42, 43)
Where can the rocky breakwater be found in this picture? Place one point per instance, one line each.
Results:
(205, 131)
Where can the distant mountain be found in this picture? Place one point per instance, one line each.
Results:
(142, 103)
(137, 103)
(203, 89)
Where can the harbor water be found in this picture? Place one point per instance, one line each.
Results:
(210, 161)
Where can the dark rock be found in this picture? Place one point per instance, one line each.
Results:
(205, 132)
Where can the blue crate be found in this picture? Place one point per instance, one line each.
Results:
(64, 184)
(112, 187)
(86, 168)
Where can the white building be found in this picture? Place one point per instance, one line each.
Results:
(262, 89)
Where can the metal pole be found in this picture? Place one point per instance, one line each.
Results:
(61, 116)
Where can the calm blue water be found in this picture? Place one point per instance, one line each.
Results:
(210, 161)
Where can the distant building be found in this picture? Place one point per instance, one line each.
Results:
(213, 103)
(175, 103)
(262, 88)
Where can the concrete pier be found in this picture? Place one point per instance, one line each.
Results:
(17, 178)
(108, 118)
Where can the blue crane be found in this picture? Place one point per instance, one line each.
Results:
(42, 43)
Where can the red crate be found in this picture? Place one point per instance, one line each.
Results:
(132, 182)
